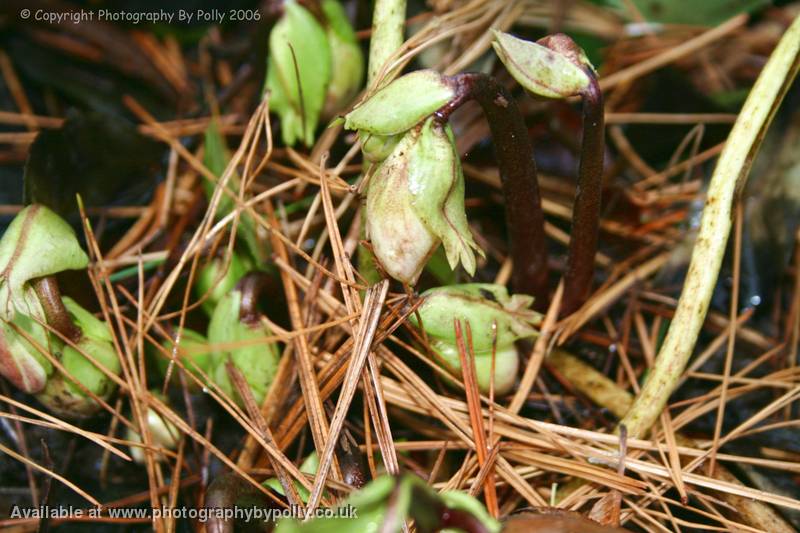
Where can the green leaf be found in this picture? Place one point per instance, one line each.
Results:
(347, 69)
(256, 358)
(61, 394)
(299, 63)
(216, 279)
(436, 186)
(193, 351)
(216, 158)
(482, 305)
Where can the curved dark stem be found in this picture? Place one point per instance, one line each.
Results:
(56, 314)
(514, 154)
(251, 287)
(586, 211)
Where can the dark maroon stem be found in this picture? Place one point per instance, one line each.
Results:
(586, 210)
(251, 286)
(56, 314)
(514, 154)
(431, 515)
(461, 521)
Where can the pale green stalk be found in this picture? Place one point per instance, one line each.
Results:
(728, 179)
(606, 393)
(388, 21)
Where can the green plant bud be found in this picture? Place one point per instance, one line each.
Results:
(37, 243)
(402, 104)
(258, 361)
(163, 433)
(61, 395)
(506, 364)
(480, 304)
(298, 72)
(215, 279)
(193, 351)
(376, 148)
(553, 67)
(347, 68)
(386, 503)
(415, 201)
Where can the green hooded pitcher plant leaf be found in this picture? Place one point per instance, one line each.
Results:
(389, 124)
(37, 244)
(402, 104)
(549, 68)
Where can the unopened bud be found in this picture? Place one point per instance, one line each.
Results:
(496, 321)
(216, 278)
(37, 243)
(163, 433)
(61, 394)
(416, 201)
(553, 67)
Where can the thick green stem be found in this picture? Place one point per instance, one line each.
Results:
(586, 210)
(514, 154)
(729, 177)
